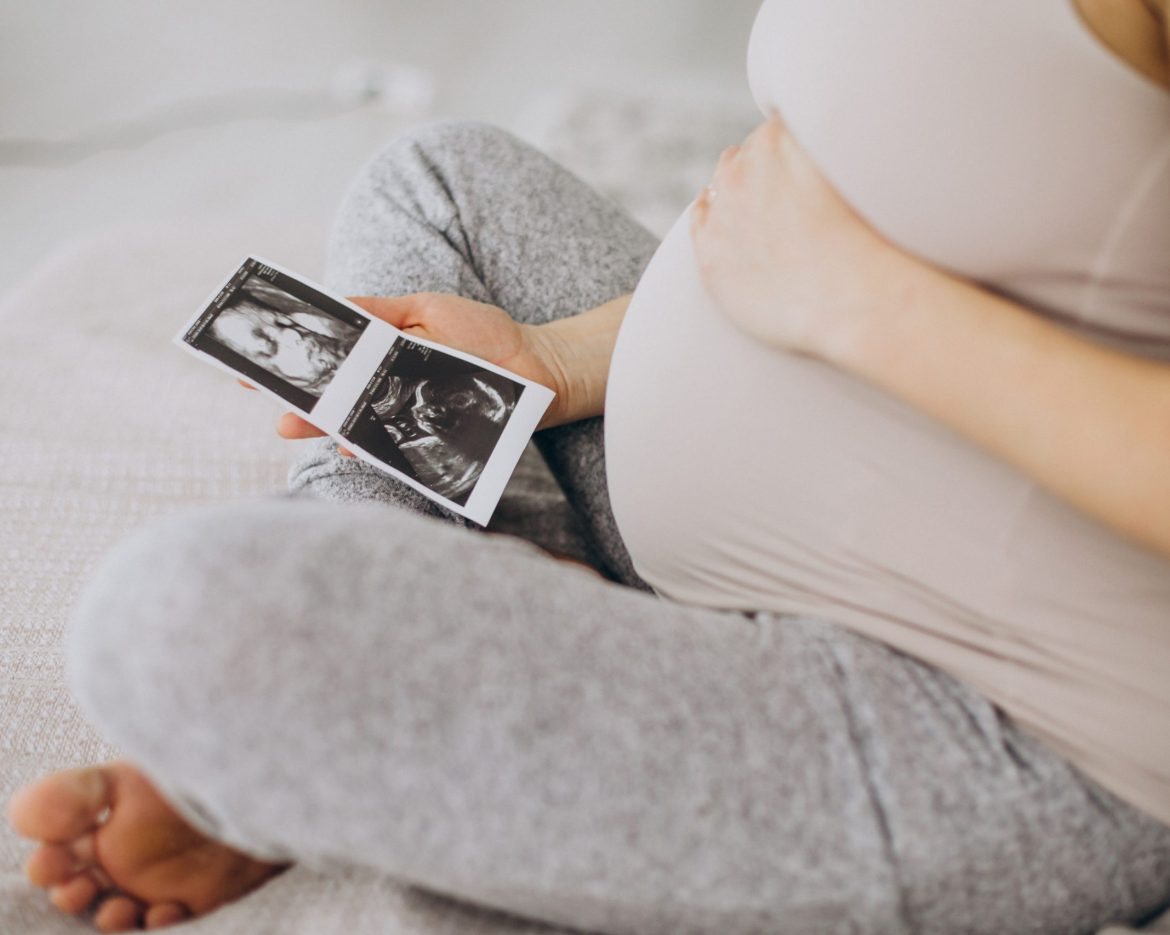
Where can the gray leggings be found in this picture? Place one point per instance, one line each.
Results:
(355, 683)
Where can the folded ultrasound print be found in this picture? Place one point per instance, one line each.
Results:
(447, 424)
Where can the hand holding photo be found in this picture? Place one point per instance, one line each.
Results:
(448, 424)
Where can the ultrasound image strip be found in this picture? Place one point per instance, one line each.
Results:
(278, 332)
(446, 423)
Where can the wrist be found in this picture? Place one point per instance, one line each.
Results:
(873, 321)
(549, 351)
(576, 352)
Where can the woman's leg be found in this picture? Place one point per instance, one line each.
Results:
(468, 209)
(359, 685)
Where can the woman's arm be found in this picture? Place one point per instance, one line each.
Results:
(1091, 425)
(788, 261)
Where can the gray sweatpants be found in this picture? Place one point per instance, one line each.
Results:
(335, 678)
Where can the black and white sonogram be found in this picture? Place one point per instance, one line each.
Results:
(278, 332)
(434, 417)
(443, 422)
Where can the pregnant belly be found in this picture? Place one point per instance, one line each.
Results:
(743, 475)
(747, 478)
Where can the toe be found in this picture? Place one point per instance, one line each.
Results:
(51, 865)
(76, 895)
(84, 851)
(163, 914)
(118, 914)
(61, 807)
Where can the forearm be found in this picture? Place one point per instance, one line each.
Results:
(1089, 424)
(579, 349)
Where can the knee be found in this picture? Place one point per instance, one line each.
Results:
(455, 153)
(209, 618)
(406, 199)
(472, 136)
(161, 633)
(451, 143)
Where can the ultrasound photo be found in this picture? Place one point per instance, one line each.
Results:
(278, 332)
(434, 417)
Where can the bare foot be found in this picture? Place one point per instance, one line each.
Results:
(110, 841)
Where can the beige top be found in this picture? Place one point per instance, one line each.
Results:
(999, 139)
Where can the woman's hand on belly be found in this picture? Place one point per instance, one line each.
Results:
(788, 261)
(782, 254)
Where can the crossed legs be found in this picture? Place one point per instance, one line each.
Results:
(364, 682)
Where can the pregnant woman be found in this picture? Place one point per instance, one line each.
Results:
(879, 499)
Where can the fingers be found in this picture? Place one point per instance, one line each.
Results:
(701, 209)
(726, 157)
(293, 427)
(764, 143)
(400, 311)
(734, 163)
(768, 136)
(774, 126)
(724, 173)
(721, 178)
(781, 143)
(776, 119)
(771, 131)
